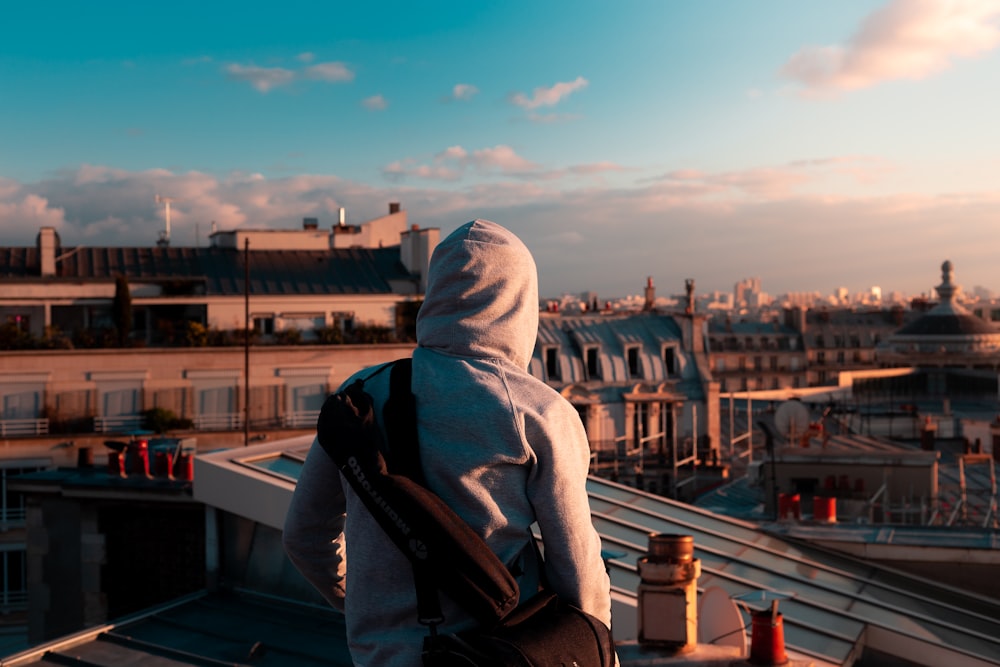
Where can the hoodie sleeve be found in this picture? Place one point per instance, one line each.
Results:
(313, 536)
(557, 489)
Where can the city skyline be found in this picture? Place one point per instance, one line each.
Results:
(815, 146)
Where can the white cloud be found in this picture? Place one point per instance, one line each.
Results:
(547, 97)
(500, 157)
(453, 162)
(263, 79)
(266, 79)
(452, 153)
(333, 72)
(306, 57)
(906, 39)
(375, 103)
(464, 91)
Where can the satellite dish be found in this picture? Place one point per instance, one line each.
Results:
(791, 419)
(719, 620)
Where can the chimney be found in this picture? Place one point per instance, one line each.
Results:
(48, 242)
(689, 288)
(393, 207)
(342, 220)
(416, 247)
(668, 593)
(650, 294)
(310, 224)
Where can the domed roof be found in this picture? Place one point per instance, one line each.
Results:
(948, 318)
(952, 324)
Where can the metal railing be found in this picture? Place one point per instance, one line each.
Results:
(117, 423)
(301, 419)
(10, 427)
(222, 421)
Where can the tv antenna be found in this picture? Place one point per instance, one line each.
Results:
(164, 239)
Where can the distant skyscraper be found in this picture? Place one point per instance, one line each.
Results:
(746, 292)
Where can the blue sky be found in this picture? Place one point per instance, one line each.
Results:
(815, 145)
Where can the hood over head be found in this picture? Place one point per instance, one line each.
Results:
(482, 296)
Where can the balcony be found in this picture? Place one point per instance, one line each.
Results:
(25, 427)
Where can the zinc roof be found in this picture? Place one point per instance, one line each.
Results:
(219, 271)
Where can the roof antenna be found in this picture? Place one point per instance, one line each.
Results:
(164, 239)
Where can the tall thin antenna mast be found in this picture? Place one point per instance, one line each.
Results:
(165, 235)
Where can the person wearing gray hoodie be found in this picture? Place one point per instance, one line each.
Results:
(499, 446)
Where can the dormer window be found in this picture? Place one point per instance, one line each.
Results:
(634, 364)
(592, 360)
(552, 363)
(670, 360)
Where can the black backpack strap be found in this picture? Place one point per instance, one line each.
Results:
(400, 418)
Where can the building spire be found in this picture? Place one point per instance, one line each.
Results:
(947, 289)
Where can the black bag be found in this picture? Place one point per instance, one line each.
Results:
(543, 632)
(446, 553)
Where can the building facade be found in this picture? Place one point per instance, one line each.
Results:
(309, 280)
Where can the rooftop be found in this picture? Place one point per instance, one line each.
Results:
(839, 610)
(219, 271)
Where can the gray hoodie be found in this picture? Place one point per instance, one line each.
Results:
(502, 448)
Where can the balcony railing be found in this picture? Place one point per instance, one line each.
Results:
(301, 419)
(222, 421)
(11, 427)
(118, 423)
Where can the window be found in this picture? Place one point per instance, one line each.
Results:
(819, 341)
(552, 363)
(640, 425)
(308, 397)
(774, 363)
(264, 324)
(821, 357)
(593, 365)
(120, 401)
(634, 367)
(216, 401)
(743, 363)
(840, 357)
(15, 589)
(670, 360)
(215, 397)
(344, 320)
(304, 322)
(22, 404)
(12, 509)
(757, 363)
(720, 364)
(305, 391)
